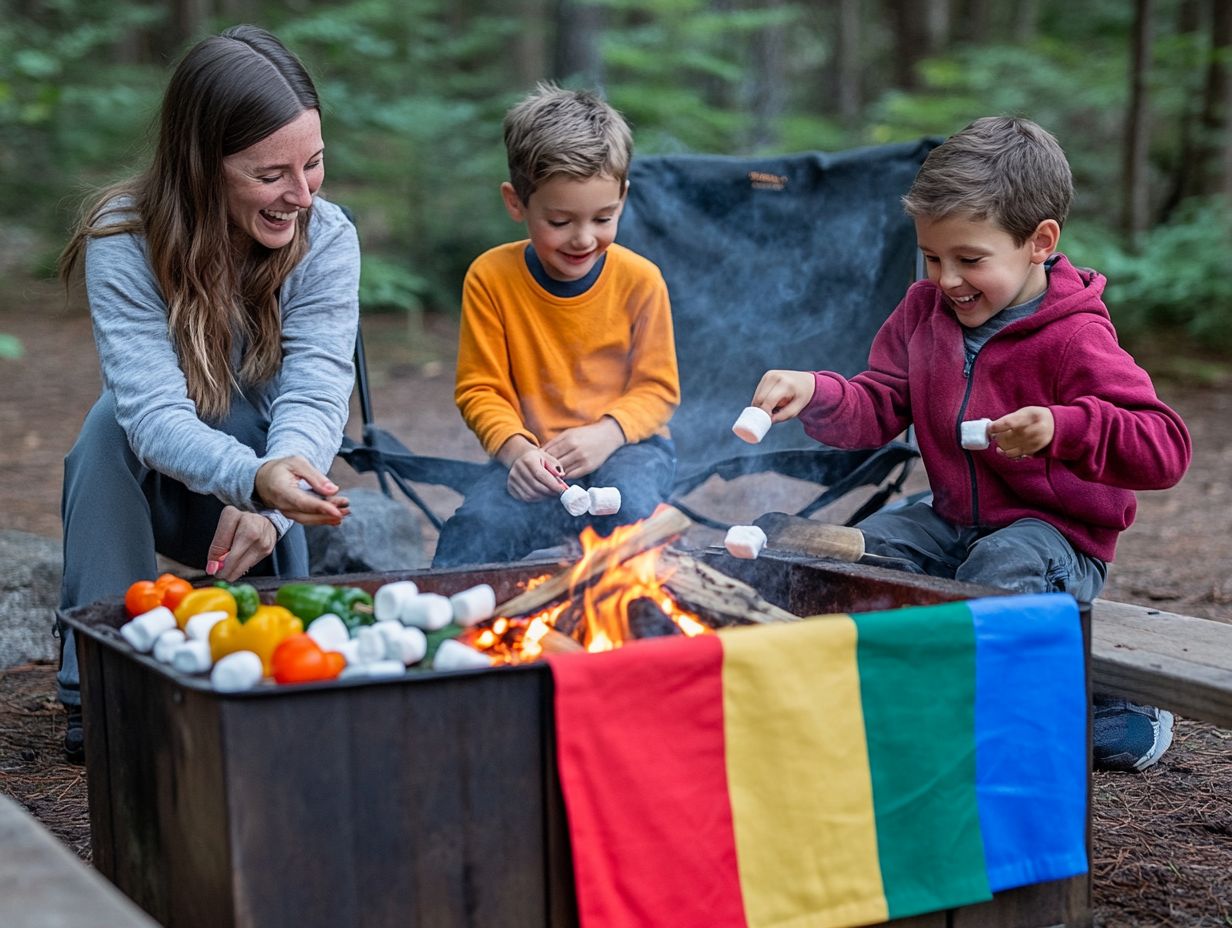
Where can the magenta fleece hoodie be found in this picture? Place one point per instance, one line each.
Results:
(1113, 435)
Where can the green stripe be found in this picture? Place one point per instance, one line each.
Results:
(919, 721)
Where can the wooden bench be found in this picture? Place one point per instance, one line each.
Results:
(42, 883)
(1179, 662)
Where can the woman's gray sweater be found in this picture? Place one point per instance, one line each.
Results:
(307, 401)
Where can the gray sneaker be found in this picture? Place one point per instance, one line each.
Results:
(1128, 736)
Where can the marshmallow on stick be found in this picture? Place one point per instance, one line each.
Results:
(576, 500)
(604, 501)
(974, 434)
(752, 425)
(745, 541)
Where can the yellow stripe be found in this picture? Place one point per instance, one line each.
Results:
(797, 768)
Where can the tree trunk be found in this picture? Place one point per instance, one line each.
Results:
(849, 64)
(1026, 19)
(530, 60)
(769, 82)
(1215, 144)
(920, 29)
(579, 25)
(1136, 202)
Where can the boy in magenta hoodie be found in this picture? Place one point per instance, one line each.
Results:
(1005, 329)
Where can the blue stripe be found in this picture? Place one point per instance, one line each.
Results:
(1031, 737)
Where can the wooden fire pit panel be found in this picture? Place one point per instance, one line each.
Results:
(430, 800)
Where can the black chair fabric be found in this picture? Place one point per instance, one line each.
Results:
(785, 262)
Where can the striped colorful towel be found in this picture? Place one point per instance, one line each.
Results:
(838, 771)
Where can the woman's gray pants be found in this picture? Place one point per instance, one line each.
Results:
(118, 514)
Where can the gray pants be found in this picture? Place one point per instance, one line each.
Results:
(1027, 556)
(118, 514)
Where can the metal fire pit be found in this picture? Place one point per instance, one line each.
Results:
(426, 800)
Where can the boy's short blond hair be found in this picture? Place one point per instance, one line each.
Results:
(572, 133)
(1002, 168)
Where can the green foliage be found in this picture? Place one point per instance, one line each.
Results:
(414, 93)
(1178, 280)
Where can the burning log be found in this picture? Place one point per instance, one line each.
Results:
(722, 599)
(666, 523)
(647, 620)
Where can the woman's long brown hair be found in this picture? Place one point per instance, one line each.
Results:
(228, 92)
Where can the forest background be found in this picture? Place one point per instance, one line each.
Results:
(1137, 91)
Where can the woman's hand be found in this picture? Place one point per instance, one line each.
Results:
(784, 394)
(583, 450)
(535, 475)
(241, 541)
(277, 486)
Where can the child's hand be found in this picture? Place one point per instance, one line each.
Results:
(1023, 432)
(583, 450)
(784, 394)
(535, 475)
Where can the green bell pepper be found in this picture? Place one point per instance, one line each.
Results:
(247, 599)
(312, 600)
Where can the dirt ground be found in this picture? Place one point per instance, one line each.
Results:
(1162, 840)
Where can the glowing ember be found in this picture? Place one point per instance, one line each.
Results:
(594, 615)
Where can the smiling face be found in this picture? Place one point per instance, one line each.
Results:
(269, 182)
(980, 268)
(571, 222)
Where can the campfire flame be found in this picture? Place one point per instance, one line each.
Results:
(595, 613)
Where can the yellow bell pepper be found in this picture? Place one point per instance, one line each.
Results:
(206, 599)
(263, 631)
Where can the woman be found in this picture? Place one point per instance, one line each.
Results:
(224, 296)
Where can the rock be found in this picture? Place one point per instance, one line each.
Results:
(30, 568)
(380, 534)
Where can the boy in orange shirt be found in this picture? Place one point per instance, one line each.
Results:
(566, 359)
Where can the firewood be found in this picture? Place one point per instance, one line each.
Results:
(647, 620)
(666, 523)
(720, 599)
(555, 643)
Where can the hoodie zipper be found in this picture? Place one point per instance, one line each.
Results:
(968, 369)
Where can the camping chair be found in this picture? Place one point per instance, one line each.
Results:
(380, 452)
(786, 262)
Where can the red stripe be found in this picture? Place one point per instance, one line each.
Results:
(641, 756)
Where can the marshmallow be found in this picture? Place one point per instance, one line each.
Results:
(576, 500)
(454, 655)
(238, 671)
(974, 434)
(198, 627)
(166, 644)
(193, 656)
(392, 598)
(752, 425)
(604, 501)
(146, 628)
(470, 607)
(428, 611)
(744, 541)
(409, 647)
(370, 645)
(349, 650)
(376, 669)
(329, 631)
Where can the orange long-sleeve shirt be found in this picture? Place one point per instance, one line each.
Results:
(534, 364)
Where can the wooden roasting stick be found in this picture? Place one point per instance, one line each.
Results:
(818, 539)
(666, 523)
(700, 588)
